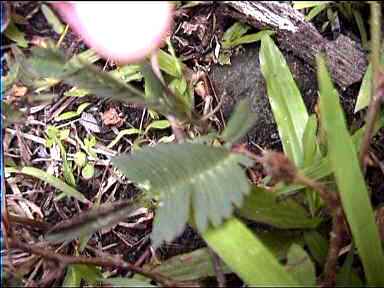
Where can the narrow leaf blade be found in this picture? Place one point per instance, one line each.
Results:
(350, 180)
(242, 119)
(287, 105)
(252, 261)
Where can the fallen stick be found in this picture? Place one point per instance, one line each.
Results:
(346, 61)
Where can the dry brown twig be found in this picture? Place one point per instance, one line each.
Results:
(106, 261)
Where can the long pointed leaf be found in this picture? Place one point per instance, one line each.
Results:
(246, 255)
(286, 102)
(350, 180)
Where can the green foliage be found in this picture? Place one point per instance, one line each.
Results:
(317, 245)
(72, 114)
(126, 282)
(264, 207)
(350, 10)
(235, 36)
(52, 180)
(187, 178)
(247, 256)
(77, 272)
(55, 138)
(365, 92)
(301, 266)
(52, 19)
(288, 108)
(240, 122)
(189, 266)
(13, 33)
(350, 180)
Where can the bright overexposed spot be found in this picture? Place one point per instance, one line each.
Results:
(123, 31)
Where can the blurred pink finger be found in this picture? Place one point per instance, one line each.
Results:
(125, 32)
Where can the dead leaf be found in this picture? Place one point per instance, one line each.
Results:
(112, 118)
(89, 122)
(19, 91)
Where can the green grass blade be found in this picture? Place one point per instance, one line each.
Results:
(286, 102)
(365, 91)
(50, 179)
(246, 255)
(242, 119)
(350, 180)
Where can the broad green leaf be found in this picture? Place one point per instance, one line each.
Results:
(159, 124)
(264, 207)
(347, 276)
(122, 133)
(51, 63)
(167, 63)
(189, 266)
(88, 171)
(72, 114)
(157, 98)
(350, 180)
(126, 282)
(76, 272)
(308, 4)
(105, 215)
(128, 73)
(76, 92)
(242, 119)
(233, 33)
(82, 59)
(16, 35)
(287, 105)
(187, 179)
(52, 180)
(279, 241)
(67, 171)
(246, 39)
(80, 159)
(247, 256)
(316, 11)
(317, 245)
(365, 92)
(300, 266)
(52, 19)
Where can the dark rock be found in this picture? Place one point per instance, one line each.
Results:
(243, 78)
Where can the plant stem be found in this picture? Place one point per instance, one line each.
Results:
(98, 261)
(336, 241)
(374, 106)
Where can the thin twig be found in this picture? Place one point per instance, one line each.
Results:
(98, 261)
(377, 94)
(30, 222)
(218, 268)
(335, 245)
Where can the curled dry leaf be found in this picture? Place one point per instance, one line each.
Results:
(112, 118)
(19, 91)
